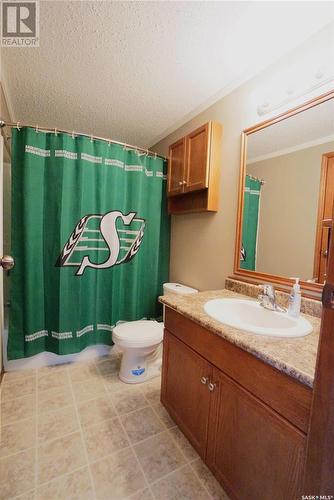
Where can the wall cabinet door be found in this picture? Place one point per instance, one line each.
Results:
(197, 159)
(176, 167)
(184, 390)
(254, 452)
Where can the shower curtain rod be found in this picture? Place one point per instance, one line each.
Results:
(55, 130)
(262, 181)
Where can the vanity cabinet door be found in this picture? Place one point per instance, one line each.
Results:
(176, 168)
(253, 451)
(185, 391)
(197, 159)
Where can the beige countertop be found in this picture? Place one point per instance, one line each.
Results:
(293, 356)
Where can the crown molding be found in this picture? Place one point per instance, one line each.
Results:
(298, 147)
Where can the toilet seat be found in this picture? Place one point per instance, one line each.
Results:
(138, 333)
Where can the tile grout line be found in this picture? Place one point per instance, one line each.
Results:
(50, 441)
(139, 464)
(150, 437)
(17, 422)
(133, 495)
(160, 418)
(17, 452)
(19, 419)
(61, 476)
(167, 429)
(169, 473)
(128, 412)
(200, 480)
(117, 415)
(96, 460)
(44, 413)
(109, 394)
(174, 440)
(188, 462)
(7, 399)
(81, 434)
(149, 405)
(133, 452)
(21, 495)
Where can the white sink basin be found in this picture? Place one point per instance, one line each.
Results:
(248, 315)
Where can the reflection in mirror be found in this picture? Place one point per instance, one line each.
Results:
(289, 195)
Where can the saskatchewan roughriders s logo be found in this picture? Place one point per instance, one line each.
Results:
(102, 241)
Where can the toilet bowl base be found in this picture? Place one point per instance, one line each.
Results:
(148, 377)
(137, 367)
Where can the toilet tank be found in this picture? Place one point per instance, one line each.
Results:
(178, 289)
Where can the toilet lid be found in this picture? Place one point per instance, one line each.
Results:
(143, 330)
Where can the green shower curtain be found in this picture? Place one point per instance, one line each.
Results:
(250, 221)
(90, 239)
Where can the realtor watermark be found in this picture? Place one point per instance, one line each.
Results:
(20, 23)
(317, 497)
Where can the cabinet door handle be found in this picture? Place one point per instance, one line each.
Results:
(180, 183)
(211, 387)
(204, 380)
(184, 182)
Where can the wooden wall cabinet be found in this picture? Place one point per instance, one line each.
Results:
(194, 171)
(255, 451)
(176, 167)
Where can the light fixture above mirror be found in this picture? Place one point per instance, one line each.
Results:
(286, 196)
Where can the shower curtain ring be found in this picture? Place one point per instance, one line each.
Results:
(36, 129)
(91, 138)
(56, 133)
(73, 136)
(155, 156)
(18, 126)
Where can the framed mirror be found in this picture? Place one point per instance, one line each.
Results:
(286, 196)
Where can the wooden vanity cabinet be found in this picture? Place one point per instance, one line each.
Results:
(254, 453)
(211, 390)
(187, 396)
(193, 170)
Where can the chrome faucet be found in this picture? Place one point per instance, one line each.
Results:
(267, 298)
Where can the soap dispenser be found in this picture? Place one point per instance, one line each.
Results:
(295, 300)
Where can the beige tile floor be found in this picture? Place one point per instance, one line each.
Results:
(78, 432)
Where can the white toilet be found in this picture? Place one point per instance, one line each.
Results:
(141, 343)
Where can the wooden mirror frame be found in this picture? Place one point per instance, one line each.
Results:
(244, 274)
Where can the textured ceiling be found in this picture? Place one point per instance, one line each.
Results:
(134, 70)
